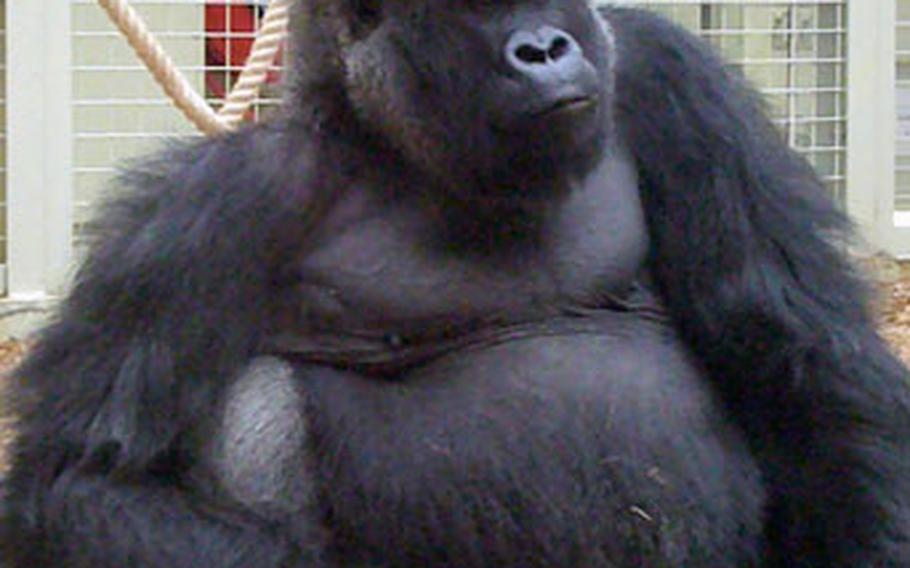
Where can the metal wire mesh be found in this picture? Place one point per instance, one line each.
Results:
(902, 62)
(793, 50)
(2, 132)
(120, 113)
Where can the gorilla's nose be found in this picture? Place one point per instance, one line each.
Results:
(546, 55)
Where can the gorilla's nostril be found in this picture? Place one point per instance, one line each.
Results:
(544, 54)
(531, 54)
(558, 48)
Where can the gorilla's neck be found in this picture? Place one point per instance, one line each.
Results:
(476, 205)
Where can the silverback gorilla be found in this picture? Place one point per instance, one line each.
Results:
(508, 284)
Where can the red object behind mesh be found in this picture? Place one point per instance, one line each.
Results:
(230, 30)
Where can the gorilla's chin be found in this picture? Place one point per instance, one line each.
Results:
(570, 136)
(570, 121)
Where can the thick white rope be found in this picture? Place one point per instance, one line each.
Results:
(261, 60)
(175, 85)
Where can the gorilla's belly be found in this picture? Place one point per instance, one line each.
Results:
(601, 448)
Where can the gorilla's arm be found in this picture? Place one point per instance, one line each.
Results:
(748, 254)
(92, 521)
(166, 307)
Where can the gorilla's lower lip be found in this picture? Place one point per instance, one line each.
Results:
(569, 105)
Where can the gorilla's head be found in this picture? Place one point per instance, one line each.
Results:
(493, 93)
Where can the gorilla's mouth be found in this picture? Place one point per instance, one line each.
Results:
(569, 105)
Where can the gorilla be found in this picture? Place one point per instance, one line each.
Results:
(514, 283)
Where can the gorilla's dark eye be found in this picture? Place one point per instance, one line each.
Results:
(367, 13)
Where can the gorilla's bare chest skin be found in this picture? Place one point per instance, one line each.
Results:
(550, 436)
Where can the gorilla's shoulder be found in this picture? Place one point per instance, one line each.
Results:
(646, 39)
(254, 152)
(638, 19)
(238, 171)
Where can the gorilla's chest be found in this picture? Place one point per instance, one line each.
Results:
(580, 445)
(382, 266)
(441, 428)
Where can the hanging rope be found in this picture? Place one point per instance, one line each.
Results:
(271, 34)
(191, 104)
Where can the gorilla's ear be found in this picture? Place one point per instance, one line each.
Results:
(741, 225)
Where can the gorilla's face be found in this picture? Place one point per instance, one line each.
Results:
(495, 92)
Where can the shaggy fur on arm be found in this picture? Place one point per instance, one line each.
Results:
(748, 254)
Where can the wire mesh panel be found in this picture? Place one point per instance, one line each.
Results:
(119, 111)
(902, 60)
(230, 32)
(794, 51)
(2, 134)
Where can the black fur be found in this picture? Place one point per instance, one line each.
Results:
(720, 398)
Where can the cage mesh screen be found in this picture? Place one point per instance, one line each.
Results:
(121, 113)
(902, 61)
(3, 209)
(795, 54)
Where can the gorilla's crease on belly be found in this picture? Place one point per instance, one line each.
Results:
(503, 284)
(389, 354)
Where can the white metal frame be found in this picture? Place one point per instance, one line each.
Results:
(871, 116)
(39, 152)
